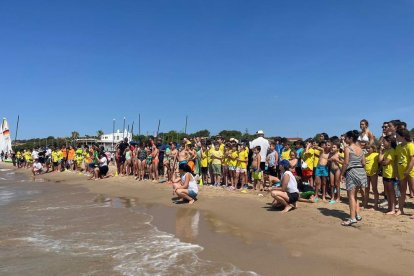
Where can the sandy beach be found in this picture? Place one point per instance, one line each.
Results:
(241, 229)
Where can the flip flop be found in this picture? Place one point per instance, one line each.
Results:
(358, 218)
(332, 202)
(349, 222)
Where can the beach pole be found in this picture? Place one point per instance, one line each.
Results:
(158, 129)
(185, 129)
(17, 129)
(132, 130)
(139, 124)
(113, 134)
(123, 130)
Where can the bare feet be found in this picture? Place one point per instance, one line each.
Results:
(288, 208)
(398, 212)
(390, 213)
(191, 201)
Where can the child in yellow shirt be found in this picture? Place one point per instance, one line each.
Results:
(371, 168)
(387, 160)
(242, 159)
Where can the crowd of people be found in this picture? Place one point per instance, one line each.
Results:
(303, 170)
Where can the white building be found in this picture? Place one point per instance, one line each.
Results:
(107, 139)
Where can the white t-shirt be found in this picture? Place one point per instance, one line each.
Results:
(37, 166)
(292, 186)
(264, 146)
(35, 154)
(103, 162)
(192, 185)
(48, 152)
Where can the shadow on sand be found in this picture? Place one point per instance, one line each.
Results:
(334, 213)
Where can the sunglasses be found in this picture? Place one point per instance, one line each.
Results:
(384, 126)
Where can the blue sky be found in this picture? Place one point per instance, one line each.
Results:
(288, 67)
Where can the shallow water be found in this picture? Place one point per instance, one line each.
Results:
(54, 229)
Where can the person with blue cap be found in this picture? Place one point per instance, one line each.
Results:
(288, 193)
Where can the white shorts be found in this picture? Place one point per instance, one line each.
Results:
(231, 168)
(240, 170)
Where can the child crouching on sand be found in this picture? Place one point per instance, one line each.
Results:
(288, 194)
(37, 167)
(186, 188)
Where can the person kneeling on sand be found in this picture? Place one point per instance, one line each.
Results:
(102, 170)
(287, 194)
(186, 188)
(37, 167)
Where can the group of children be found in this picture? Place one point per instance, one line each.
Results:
(317, 163)
(91, 160)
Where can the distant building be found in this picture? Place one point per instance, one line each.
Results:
(107, 139)
(294, 139)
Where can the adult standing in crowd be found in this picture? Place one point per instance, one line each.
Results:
(365, 135)
(353, 170)
(122, 151)
(263, 143)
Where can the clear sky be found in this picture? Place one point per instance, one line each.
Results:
(288, 67)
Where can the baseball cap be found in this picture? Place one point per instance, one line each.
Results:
(284, 163)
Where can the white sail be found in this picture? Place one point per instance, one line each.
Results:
(6, 139)
(1, 137)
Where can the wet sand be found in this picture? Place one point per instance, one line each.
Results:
(241, 229)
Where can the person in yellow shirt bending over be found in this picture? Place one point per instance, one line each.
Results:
(241, 166)
(404, 162)
(371, 168)
(387, 160)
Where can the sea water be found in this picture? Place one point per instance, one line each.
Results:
(48, 228)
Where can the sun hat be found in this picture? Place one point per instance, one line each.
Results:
(260, 132)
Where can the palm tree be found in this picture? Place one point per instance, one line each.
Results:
(75, 135)
(99, 133)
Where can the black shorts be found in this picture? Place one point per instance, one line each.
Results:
(293, 197)
(271, 171)
(262, 166)
(103, 170)
(122, 159)
(204, 170)
(388, 179)
(55, 164)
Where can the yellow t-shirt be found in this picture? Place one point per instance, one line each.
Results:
(342, 158)
(371, 163)
(402, 159)
(55, 156)
(209, 154)
(28, 156)
(308, 158)
(410, 153)
(316, 154)
(233, 160)
(216, 153)
(18, 155)
(243, 155)
(60, 155)
(286, 154)
(204, 160)
(388, 170)
(221, 148)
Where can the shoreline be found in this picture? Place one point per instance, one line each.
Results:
(243, 232)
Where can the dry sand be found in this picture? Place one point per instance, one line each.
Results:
(241, 229)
